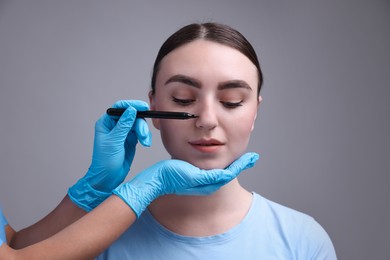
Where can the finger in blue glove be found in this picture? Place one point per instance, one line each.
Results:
(180, 178)
(113, 153)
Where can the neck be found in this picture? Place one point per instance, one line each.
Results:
(203, 215)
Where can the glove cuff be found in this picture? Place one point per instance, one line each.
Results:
(135, 198)
(86, 197)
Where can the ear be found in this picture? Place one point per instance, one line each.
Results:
(258, 105)
(155, 121)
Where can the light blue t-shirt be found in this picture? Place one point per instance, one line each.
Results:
(268, 231)
(3, 223)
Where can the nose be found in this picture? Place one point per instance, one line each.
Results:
(207, 117)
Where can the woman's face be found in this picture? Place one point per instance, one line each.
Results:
(217, 83)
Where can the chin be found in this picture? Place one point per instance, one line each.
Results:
(206, 161)
(210, 163)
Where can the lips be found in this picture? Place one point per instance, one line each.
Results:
(205, 142)
(206, 145)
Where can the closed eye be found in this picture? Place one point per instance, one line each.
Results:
(231, 105)
(183, 102)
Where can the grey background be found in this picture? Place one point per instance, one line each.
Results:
(322, 129)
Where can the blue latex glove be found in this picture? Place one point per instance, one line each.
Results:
(114, 148)
(3, 223)
(180, 178)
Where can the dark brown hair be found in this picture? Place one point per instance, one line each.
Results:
(215, 32)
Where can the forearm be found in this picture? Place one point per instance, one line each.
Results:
(5, 251)
(85, 238)
(62, 216)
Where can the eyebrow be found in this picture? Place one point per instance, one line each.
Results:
(234, 84)
(185, 80)
(195, 83)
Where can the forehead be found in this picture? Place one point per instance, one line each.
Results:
(205, 59)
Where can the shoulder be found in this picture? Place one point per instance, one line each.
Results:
(298, 230)
(281, 214)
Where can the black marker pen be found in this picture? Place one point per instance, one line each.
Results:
(153, 114)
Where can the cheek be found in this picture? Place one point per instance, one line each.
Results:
(240, 131)
(172, 135)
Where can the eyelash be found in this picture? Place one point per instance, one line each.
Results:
(232, 105)
(183, 102)
(187, 102)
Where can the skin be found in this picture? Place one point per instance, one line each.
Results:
(83, 239)
(219, 84)
(62, 216)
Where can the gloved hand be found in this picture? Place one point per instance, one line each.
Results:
(114, 148)
(180, 178)
(3, 223)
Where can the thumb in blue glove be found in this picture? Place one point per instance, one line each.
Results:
(180, 178)
(113, 153)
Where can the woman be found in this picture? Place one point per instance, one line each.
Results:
(212, 71)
